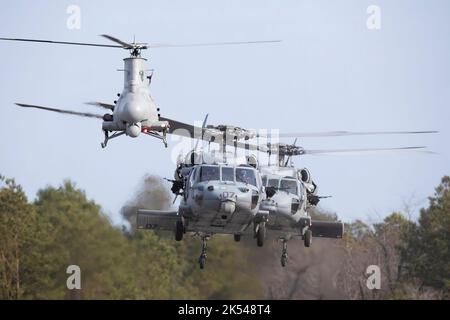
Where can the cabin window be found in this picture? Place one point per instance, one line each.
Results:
(246, 176)
(273, 183)
(209, 173)
(289, 185)
(227, 174)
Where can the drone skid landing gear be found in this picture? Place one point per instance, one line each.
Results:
(164, 138)
(155, 134)
(107, 137)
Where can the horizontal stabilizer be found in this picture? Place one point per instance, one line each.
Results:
(327, 229)
(156, 219)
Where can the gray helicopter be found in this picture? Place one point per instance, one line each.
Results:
(223, 194)
(285, 193)
(216, 198)
(291, 192)
(134, 111)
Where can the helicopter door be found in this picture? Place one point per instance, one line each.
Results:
(190, 182)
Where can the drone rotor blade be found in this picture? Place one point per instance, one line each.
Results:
(374, 150)
(348, 133)
(125, 45)
(101, 105)
(210, 44)
(122, 43)
(63, 42)
(81, 114)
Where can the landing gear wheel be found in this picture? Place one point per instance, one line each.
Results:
(202, 262)
(261, 234)
(307, 238)
(179, 230)
(237, 237)
(283, 260)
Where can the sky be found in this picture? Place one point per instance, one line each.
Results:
(330, 72)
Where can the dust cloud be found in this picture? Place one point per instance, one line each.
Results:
(311, 273)
(153, 192)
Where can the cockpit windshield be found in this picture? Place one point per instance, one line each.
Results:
(246, 175)
(228, 174)
(209, 173)
(289, 185)
(273, 183)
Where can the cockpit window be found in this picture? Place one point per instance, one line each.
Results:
(246, 176)
(289, 185)
(273, 183)
(209, 173)
(227, 174)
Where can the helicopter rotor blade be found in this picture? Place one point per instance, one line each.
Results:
(76, 113)
(208, 44)
(289, 150)
(349, 133)
(363, 150)
(63, 42)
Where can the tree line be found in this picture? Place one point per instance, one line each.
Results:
(39, 239)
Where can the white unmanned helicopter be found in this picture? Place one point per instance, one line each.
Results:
(134, 112)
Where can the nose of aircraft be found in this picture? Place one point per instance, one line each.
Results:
(133, 112)
(225, 201)
(227, 206)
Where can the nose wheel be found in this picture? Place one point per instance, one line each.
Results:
(284, 255)
(202, 258)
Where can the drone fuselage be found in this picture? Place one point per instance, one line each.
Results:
(135, 111)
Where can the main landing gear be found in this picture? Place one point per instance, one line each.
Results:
(307, 238)
(260, 233)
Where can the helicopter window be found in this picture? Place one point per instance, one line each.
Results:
(289, 185)
(227, 174)
(246, 176)
(209, 173)
(273, 183)
(192, 176)
(264, 180)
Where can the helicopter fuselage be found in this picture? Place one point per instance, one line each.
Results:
(221, 201)
(287, 206)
